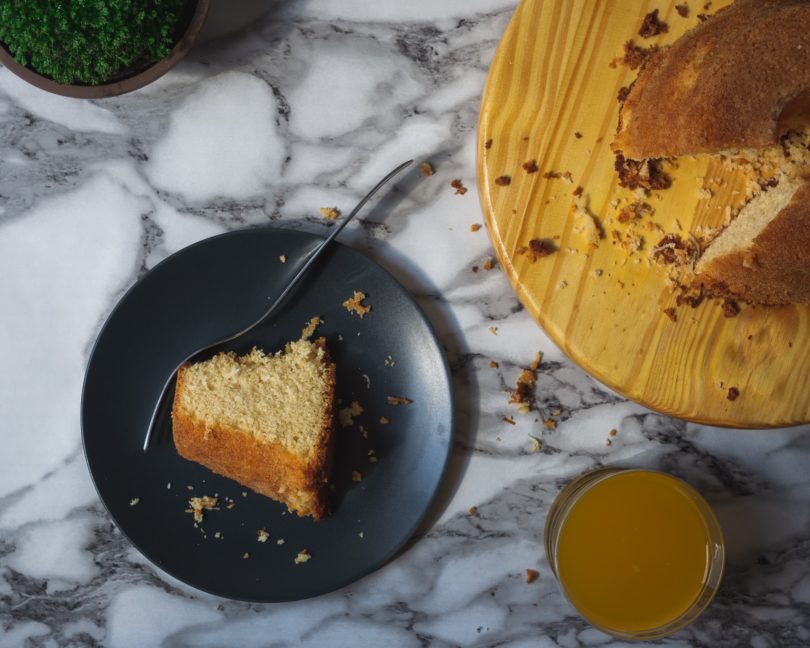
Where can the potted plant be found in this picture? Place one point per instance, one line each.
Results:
(96, 48)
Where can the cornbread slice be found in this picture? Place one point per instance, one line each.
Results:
(763, 256)
(723, 85)
(266, 421)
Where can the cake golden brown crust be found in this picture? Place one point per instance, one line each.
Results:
(722, 85)
(262, 465)
(775, 268)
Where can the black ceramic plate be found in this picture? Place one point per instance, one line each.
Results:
(210, 290)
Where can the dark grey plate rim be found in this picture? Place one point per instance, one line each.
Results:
(407, 536)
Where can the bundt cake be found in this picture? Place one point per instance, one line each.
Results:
(763, 256)
(723, 85)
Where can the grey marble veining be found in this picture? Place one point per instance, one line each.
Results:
(303, 107)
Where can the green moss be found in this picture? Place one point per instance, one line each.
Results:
(88, 41)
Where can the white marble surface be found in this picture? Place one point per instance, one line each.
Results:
(303, 108)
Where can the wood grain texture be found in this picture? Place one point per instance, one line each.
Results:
(550, 79)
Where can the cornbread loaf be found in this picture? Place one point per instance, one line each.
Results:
(763, 256)
(266, 421)
(723, 85)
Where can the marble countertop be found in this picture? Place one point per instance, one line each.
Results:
(279, 111)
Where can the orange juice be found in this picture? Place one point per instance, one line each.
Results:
(637, 552)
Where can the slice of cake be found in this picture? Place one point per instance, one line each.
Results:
(763, 256)
(725, 84)
(266, 421)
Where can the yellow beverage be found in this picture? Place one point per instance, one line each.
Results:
(639, 553)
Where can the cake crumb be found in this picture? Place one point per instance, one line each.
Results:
(473, 510)
(550, 424)
(302, 557)
(134, 501)
(493, 364)
(398, 400)
(280, 541)
(537, 445)
(245, 556)
(330, 213)
(199, 504)
(682, 9)
(493, 330)
(459, 187)
(384, 420)
(733, 393)
(671, 313)
(530, 166)
(309, 329)
(354, 304)
(532, 575)
(503, 181)
(537, 249)
(488, 143)
(474, 268)
(730, 308)
(361, 535)
(524, 388)
(389, 361)
(426, 168)
(283, 258)
(262, 535)
(475, 227)
(613, 432)
(652, 25)
(357, 476)
(230, 503)
(489, 264)
(538, 360)
(509, 419)
(244, 493)
(578, 135)
(168, 485)
(346, 414)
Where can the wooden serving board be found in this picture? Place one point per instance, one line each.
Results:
(551, 79)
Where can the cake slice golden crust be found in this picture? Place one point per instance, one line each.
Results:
(723, 85)
(264, 421)
(763, 257)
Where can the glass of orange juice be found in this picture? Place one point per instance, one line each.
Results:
(639, 553)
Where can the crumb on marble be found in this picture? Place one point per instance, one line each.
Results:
(613, 432)
(426, 168)
(354, 304)
(493, 330)
(475, 227)
(459, 187)
(473, 510)
(493, 364)
(330, 213)
(537, 445)
(509, 419)
(489, 264)
(532, 575)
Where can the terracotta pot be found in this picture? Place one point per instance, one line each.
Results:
(195, 17)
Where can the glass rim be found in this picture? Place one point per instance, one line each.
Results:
(573, 492)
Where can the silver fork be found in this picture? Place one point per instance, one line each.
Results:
(306, 265)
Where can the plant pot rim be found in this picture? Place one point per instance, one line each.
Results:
(120, 86)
